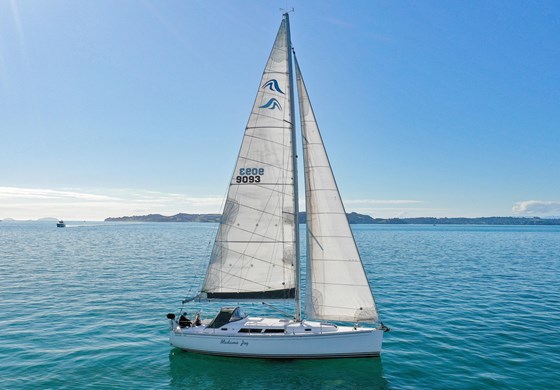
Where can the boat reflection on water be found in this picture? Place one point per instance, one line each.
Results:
(195, 371)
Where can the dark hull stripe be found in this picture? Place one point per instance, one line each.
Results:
(329, 356)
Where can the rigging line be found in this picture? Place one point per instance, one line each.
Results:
(263, 186)
(316, 240)
(326, 189)
(273, 71)
(267, 116)
(246, 230)
(346, 236)
(280, 168)
(247, 254)
(264, 139)
(350, 307)
(254, 258)
(256, 242)
(274, 256)
(340, 284)
(273, 213)
(266, 127)
(318, 166)
(277, 310)
(329, 213)
(235, 276)
(340, 260)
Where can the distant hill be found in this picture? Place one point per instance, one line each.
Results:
(352, 217)
(470, 221)
(355, 218)
(181, 217)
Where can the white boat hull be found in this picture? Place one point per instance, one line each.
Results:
(347, 342)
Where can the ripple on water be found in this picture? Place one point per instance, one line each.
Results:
(469, 307)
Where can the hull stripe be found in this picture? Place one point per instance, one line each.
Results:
(261, 356)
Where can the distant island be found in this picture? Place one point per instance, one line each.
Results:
(355, 218)
(181, 217)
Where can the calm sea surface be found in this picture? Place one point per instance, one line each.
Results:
(469, 307)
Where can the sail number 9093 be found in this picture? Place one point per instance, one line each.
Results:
(249, 175)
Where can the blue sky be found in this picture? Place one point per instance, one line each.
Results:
(427, 108)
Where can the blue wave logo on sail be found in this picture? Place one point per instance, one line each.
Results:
(273, 86)
(272, 104)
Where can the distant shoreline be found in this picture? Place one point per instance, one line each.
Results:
(355, 218)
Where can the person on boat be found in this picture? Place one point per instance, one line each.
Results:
(184, 321)
(197, 321)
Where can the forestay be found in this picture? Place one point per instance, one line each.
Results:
(336, 285)
(254, 254)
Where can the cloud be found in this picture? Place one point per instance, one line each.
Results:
(77, 204)
(33, 193)
(379, 201)
(338, 22)
(537, 207)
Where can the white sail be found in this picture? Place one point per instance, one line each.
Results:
(256, 251)
(336, 285)
(254, 254)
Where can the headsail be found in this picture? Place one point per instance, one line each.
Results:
(337, 286)
(254, 254)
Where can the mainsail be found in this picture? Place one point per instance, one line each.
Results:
(255, 251)
(336, 285)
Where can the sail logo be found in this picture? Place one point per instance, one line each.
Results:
(273, 86)
(272, 104)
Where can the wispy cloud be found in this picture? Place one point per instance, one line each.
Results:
(33, 193)
(382, 201)
(537, 207)
(338, 22)
(77, 204)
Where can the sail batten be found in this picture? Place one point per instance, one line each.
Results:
(337, 288)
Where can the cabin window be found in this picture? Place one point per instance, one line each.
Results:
(250, 330)
(274, 331)
(308, 330)
(237, 315)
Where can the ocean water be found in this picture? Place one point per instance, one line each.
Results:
(469, 307)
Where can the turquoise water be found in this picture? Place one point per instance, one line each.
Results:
(469, 307)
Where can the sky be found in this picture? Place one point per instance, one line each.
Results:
(427, 108)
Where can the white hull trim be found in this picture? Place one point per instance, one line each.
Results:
(351, 344)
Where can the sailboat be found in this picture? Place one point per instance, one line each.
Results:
(256, 252)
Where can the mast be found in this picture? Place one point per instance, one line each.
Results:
(294, 161)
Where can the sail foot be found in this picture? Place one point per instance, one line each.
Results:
(288, 293)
